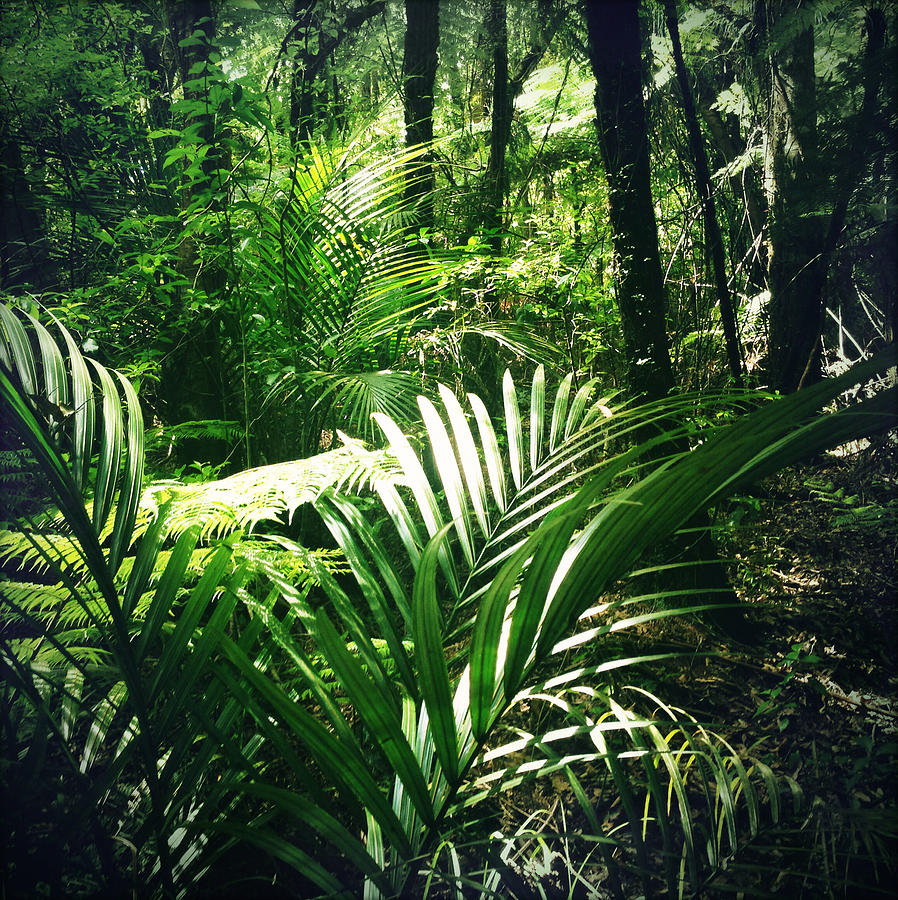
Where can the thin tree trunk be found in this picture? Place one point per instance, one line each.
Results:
(744, 185)
(506, 88)
(422, 38)
(706, 193)
(500, 127)
(25, 257)
(313, 47)
(875, 27)
(193, 376)
(302, 105)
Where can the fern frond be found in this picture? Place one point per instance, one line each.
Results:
(270, 493)
(29, 599)
(270, 554)
(36, 552)
(164, 438)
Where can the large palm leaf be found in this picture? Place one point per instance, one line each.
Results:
(347, 284)
(433, 719)
(120, 731)
(350, 286)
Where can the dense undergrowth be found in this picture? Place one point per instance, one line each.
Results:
(416, 430)
(189, 704)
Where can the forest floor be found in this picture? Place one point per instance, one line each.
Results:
(816, 696)
(813, 693)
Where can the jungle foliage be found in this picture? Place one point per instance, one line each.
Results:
(333, 472)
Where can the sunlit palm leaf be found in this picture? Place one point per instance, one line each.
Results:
(119, 461)
(110, 706)
(349, 287)
(502, 571)
(565, 564)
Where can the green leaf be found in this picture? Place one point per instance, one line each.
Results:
(537, 416)
(447, 466)
(340, 758)
(430, 653)
(470, 459)
(514, 430)
(378, 709)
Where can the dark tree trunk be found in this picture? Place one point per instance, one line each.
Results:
(745, 236)
(312, 49)
(801, 239)
(615, 50)
(506, 88)
(875, 28)
(706, 193)
(193, 378)
(795, 274)
(186, 20)
(25, 259)
(500, 127)
(422, 37)
(302, 98)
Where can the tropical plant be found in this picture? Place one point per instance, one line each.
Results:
(331, 264)
(296, 712)
(333, 288)
(101, 723)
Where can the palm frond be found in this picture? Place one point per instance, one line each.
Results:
(382, 701)
(548, 558)
(344, 282)
(101, 664)
(116, 447)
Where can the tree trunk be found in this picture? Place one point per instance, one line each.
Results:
(500, 127)
(302, 101)
(192, 377)
(506, 88)
(422, 37)
(615, 50)
(706, 193)
(801, 238)
(795, 273)
(745, 237)
(25, 259)
(313, 47)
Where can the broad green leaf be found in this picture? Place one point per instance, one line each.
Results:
(421, 489)
(430, 653)
(340, 759)
(131, 485)
(537, 416)
(450, 477)
(495, 465)
(559, 413)
(19, 351)
(514, 430)
(85, 411)
(470, 458)
(110, 451)
(578, 407)
(166, 592)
